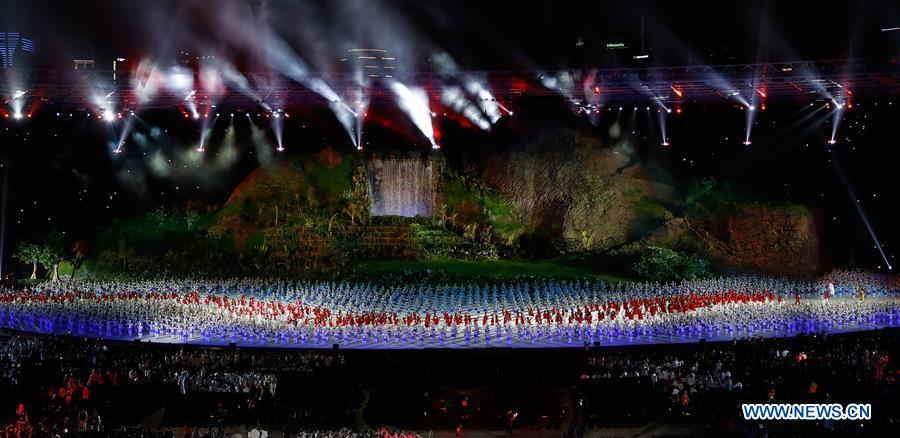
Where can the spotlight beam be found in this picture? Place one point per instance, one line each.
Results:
(414, 102)
(854, 199)
(205, 129)
(661, 116)
(278, 130)
(129, 123)
(837, 117)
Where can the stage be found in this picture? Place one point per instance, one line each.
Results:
(529, 337)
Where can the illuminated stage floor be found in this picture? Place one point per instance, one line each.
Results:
(27, 323)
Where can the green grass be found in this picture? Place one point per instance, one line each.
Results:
(495, 269)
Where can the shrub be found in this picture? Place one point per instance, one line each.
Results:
(706, 194)
(655, 263)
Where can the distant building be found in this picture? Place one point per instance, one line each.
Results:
(191, 60)
(83, 64)
(15, 50)
(121, 68)
(184, 58)
(370, 63)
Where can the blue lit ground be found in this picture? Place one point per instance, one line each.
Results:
(28, 323)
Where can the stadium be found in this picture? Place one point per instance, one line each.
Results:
(391, 218)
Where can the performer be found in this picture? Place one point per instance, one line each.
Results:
(23, 425)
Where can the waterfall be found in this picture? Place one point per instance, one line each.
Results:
(403, 186)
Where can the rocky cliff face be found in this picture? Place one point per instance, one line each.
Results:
(764, 239)
(570, 188)
(286, 192)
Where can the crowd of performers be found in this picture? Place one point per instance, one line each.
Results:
(518, 313)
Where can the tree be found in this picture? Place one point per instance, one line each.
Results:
(656, 264)
(353, 210)
(158, 217)
(357, 198)
(707, 195)
(664, 264)
(191, 218)
(171, 261)
(693, 267)
(53, 253)
(470, 231)
(443, 215)
(30, 253)
(587, 239)
(123, 253)
(78, 256)
(360, 195)
(311, 200)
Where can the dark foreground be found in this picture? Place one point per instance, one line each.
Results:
(74, 386)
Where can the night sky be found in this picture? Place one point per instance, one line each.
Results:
(482, 35)
(61, 174)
